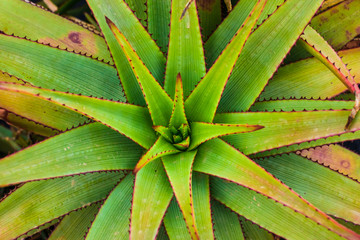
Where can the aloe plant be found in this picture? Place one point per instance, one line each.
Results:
(165, 126)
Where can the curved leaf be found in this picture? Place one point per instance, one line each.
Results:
(139, 39)
(324, 126)
(179, 170)
(160, 148)
(36, 203)
(126, 118)
(268, 213)
(50, 67)
(76, 224)
(257, 63)
(335, 157)
(333, 193)
(152, 195)
(185, 54)
(158, 102)
(105, 149)
(220, 159)
(201, 105)
(24, 19)
(226, 222)
(113, 219)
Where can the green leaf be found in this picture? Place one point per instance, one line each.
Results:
(179, 170)
(113, 219)
(158, 102)
(209, 16)
(324, 126)
(174, 222)
(76, 224)
(228, 28)
(104, 148)
(220, 159)
(160, 148)
(337, 158)
(178, 113)
(203, 101)
(331, 192)
(300, 105)
(24, 19)
(49, 67)
(130, 120)
(139, 8)
(139, 39)
(39, 110)
(159, 22)
(152, 195)
(185, 55)
(162, 235)
(201, 198)
(310, 78)
(268, 213)
(257, 63)
(226, 223)
(253, 231)
(340, 24)
(202, 132)
(38, 202)
(320, 49)
(29, 125)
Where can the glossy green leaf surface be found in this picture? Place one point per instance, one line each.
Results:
(313, 42)
(201, 198)
(211, 159)
(152, 195)
(300, 105)
(55, 116)
(203, 101)
(303, 126)
(174, 222)
(113, 219)
(185, 55)
(202, 132)
(69, 226)
(39, 201)
(257, 63)
(158, 102)
(29, 125)
(139, 39)
(335, 157)
(226, 223)
(28, 20)
(159, 22)
(178, 113)
(274, 216)
(333, 193)
(340, 24)
(253, 231)
(227, 29)
(139, 8)
(105, 149)
(125, 118)
(179, 170)
(310, 78)
(160, 148)
(49, 67)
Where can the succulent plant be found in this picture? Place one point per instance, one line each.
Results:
(171, 124)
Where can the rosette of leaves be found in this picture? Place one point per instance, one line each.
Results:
(166, 125)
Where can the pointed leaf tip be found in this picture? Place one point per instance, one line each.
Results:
(109, 22)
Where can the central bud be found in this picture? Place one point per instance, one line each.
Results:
(179, 137)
